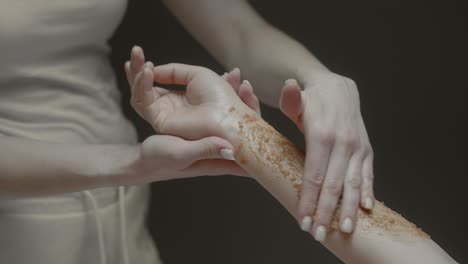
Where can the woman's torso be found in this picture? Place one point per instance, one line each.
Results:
(56, 81)
(56, 84)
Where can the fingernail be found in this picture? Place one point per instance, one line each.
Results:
(320, 233)
(227, 154)
(247, 82)
(236, 70)
(134, 48)
(290, 82)
(306, 223)
(369, 203)
(149, 64)
(347, 225)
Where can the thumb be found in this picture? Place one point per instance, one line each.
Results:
(208, 148)
(291, 102)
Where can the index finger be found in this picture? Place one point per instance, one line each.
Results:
(176, 73)
(316, 163)
(137, 59)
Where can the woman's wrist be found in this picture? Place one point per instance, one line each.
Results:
(324, 79)
(231, 123)
(117, 165)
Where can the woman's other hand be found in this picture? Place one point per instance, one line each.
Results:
(162, 157)
(339, 159)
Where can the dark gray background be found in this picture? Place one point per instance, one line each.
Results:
(409, 61)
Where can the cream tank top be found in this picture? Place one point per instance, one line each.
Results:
(57, 84)
(56, 81)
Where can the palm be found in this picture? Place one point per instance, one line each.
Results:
(175, 115)
(192, 114)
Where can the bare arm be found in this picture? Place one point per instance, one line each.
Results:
(31, 167)
(234, 33)
(380, 236)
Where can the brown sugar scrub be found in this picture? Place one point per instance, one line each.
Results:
(271, 149)
(380, 236)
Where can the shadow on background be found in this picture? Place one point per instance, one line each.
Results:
(409, 61)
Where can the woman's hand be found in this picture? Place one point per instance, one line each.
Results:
(192, 114)
(163, 157)
(339, 155)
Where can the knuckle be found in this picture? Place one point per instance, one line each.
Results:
(314, 181)
(325, 135)
(325, 214)
(354, 182)
(207, 151)
(368, 151)
(173, 155)
(348, 140)
(364, 151)
(333, 187)
(361, 153)
(369, 175)
(308, 205)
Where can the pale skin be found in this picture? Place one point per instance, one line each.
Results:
(380, 236)
(339, 156)
(36, 168)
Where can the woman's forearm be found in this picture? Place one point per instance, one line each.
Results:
(380, 236)
(267, 73)
(242, 38)
(30, 167)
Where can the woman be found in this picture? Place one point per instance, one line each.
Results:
(63, 132)
(381, 235)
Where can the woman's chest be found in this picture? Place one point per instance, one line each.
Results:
(45, 22)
